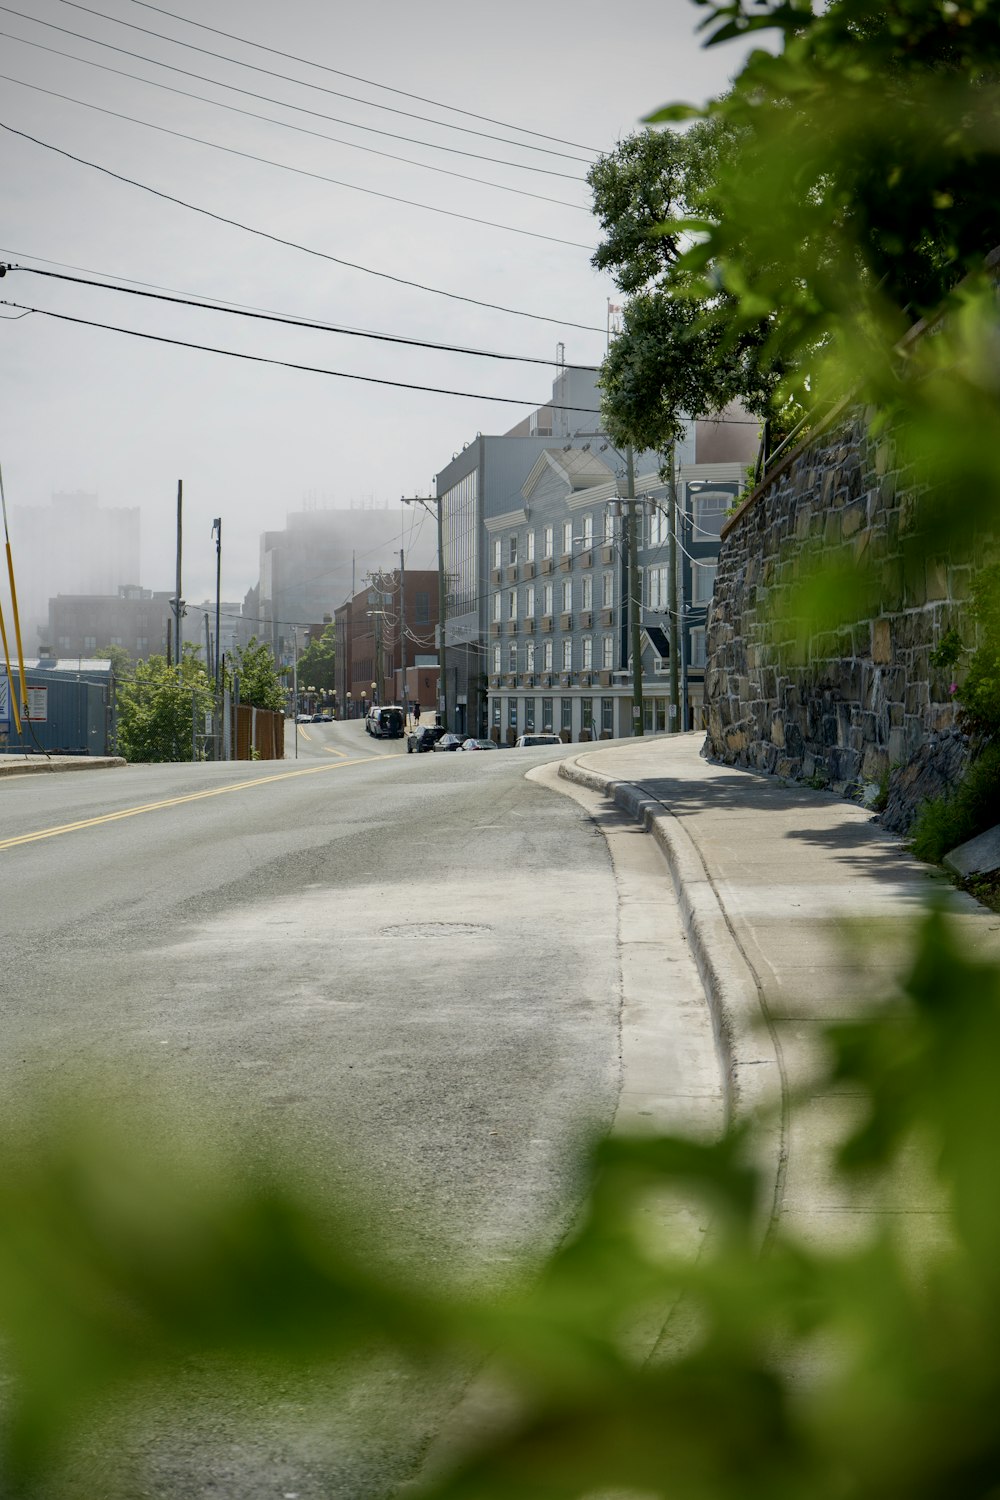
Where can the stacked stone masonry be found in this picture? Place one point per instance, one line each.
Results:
(850, 706)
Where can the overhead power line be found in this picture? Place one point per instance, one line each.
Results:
(251, 94)
(325, 68)
(182, 135)
(290, 322)
(287, 364)
(294, 244)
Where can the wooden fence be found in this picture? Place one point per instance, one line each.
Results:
(258, 729)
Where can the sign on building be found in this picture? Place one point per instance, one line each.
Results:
(4, 706)
(38, 700)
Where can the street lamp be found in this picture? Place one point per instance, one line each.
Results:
(374, 691)
(347, 704)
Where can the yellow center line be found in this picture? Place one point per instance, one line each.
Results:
(215, 791)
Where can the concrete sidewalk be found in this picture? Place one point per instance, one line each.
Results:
(41, 764)
(798, 909)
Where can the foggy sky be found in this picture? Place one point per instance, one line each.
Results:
(97, 411)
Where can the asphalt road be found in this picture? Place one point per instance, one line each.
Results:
(405, 962)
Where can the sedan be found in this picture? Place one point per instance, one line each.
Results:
(449, 742)
(479, 745)
(524, 741)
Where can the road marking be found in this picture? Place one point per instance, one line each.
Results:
(215, 791)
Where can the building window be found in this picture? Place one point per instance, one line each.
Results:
(547, 656)
(421, 607)
(704, 583)
(607, 590)
(496, 660)
(529, 713)
(497, 607)
(588, 531)
(497, 712)
(512, 656)
(566, 714)
(656, 588)
(698, 655)
(512, 550)
(512, 605)
(586, 713)
(547, 541)
(567, 654)
(547, 715)
(529, 656)
(567, 595)
(587, 592)
(657, 526)
(608, 652)
(512, 712)
(529, 602)
(64, 643)
(529, 546)
(588, 652)
(547, 599)
(609, 525)
(90, 643)
(709, 510)
(496, 547)
(608, 715)
(567, 536)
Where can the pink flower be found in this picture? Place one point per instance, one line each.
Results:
(953, 687)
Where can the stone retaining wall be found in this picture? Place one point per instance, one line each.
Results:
(854, 703)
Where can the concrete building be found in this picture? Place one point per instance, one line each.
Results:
(136, 619)
(481, 498)
(558, 653)
(318, 560)
(73, 547)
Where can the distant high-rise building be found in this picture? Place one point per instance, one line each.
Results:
(72, 546)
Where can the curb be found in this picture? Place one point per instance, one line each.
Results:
(41, 765)
(749, 1057)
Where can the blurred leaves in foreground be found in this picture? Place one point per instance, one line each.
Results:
(627, 1365)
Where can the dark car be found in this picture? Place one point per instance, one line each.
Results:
(473, 744)
(424, 737)
(449, 742)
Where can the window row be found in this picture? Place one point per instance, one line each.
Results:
(532, 600)
(527, 657)
(578, 532)
(555, 714)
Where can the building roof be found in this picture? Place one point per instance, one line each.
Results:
(578, 468)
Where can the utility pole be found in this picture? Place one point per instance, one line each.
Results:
(402, 634)
(429, 501)
(635, 623)
(178, 602)
(675, 633)
(217, 533)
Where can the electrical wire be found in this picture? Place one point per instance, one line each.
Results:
(260, 359)
(266, 161)
(340, 73)
(252, 94)
(294, 244)
(290, 322)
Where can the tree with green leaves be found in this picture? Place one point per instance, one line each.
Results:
(261, 685)
(318, 661)
(157, 706)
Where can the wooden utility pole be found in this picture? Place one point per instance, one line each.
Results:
(429, 501)
(178, 602)
(402, 635)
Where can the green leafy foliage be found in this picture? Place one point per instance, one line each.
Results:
(979, 693)
(973, 807)
(317, 664)
(157, 706)
(260, 684)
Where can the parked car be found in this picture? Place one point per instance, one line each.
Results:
(526, 741)
(303, 718)
(478, 745)
(423, 738)
(386, 721)
(449, 742)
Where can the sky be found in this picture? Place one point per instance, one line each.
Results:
(84, 408)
